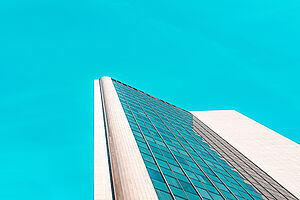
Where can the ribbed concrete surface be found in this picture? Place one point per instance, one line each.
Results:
(273, 153)
(102, 184)
(130, 176)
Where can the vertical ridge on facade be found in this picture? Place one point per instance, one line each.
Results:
(128, 169)
(102, 182)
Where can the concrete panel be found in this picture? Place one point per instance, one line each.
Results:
(130, 177)
(102, 184)
(272, 152)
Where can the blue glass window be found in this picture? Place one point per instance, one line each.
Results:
(180, 164)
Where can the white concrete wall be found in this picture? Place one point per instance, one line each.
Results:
(272, 152)
(102, 184)
(130, 176)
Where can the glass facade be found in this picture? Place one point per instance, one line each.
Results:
(180, 164)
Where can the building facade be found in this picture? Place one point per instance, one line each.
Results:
(146, 148)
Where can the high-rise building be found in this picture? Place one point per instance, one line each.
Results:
(146, 148)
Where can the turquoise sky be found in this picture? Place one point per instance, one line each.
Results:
(198, 55)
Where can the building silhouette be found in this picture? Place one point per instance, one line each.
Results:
(146, 148)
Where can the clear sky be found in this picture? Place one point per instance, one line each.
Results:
(198, 55)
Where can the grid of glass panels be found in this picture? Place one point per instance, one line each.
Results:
(180, 164)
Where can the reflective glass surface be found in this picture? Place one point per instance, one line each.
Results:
(180, 164)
